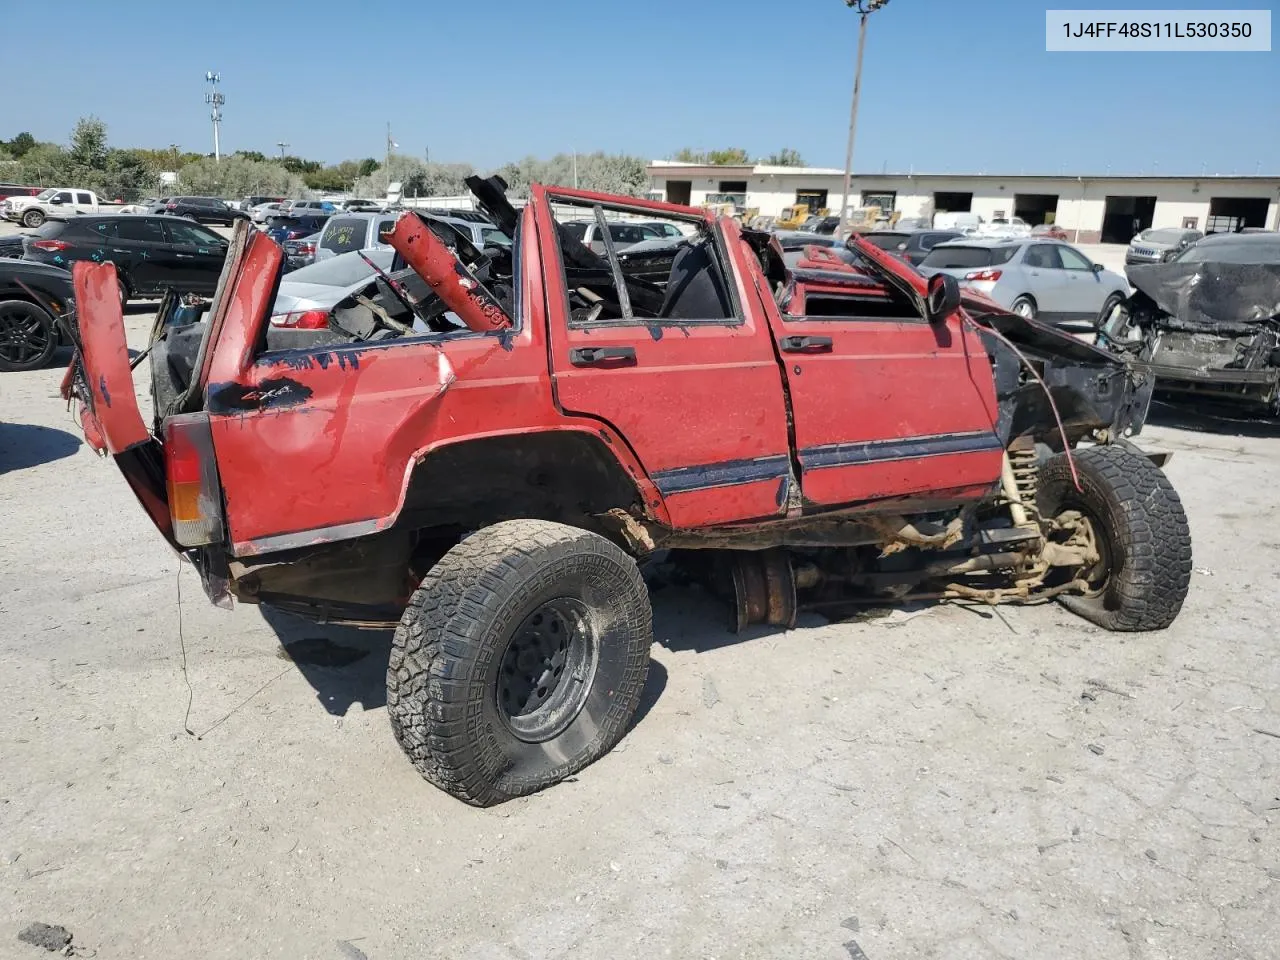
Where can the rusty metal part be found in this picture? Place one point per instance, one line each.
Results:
(764, 588)
(1021, 592)
(636, 533)
(446, 275)
(898, 534)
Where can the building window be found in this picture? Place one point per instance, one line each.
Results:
(1189, 223)
(884, 199)
(731, 191)
(815, 200)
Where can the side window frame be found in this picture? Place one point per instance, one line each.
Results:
(719, 256)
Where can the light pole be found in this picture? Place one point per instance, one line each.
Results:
(282, 145)
(865, 8)
(215, 100)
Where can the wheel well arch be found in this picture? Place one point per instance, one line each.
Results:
(567, 476)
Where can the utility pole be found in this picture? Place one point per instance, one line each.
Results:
(215, 100)
(865, 8)
(282, 145)
(391, 144)
(575, 168)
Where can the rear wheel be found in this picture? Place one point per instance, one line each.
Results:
(27, 336)
(1141, 531)
(1024, 306)
(33, 218)
(520, 660)
(190, 216)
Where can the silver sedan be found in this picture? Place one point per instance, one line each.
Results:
(1032, 277)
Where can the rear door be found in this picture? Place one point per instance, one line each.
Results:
(197, 254)
(886, 405)
(85, 202)
(695, 391)
(138, 243)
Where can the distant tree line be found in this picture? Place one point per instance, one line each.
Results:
(786, 157)
(128, 174)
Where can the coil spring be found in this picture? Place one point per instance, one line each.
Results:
(1026, 477)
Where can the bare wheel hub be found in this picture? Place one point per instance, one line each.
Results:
(546, 671)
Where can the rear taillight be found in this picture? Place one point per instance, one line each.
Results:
(305, 320)
(983, 275)
(171, 206)
(53, 245)
(305, 248)
(195, 496)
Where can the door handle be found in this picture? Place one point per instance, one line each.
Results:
(806, 344)
(185, 256)
(602, 356)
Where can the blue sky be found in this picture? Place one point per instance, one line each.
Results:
(947, 86)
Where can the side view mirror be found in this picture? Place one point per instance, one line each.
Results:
(55, 200)
(1096, 267)
(943, 298)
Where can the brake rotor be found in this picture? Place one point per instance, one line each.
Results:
(764, 589)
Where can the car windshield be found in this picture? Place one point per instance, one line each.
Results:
(344, 270)
(1233, 251)
(948, 256)
(1161, 236)
(46, 194)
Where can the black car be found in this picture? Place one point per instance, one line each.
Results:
(911, 245)
(151, 254)
(201, 209)
(32, 297)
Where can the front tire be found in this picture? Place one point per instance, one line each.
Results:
(34, 218)
(520, 660)
(1140, 527)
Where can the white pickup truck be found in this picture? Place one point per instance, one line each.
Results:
(54, 202)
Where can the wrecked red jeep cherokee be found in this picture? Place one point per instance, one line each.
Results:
(492, 439)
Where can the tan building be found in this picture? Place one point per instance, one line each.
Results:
(1091, 208)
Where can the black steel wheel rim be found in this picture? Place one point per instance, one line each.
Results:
(547, 670)
(24, 335)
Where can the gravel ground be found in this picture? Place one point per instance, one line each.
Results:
(948, 782)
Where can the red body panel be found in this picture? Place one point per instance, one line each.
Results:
(111, 418)
(701, 405)
(886, 409)
(366, 413)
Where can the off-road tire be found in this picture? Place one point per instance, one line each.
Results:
(1013, 307)
(33, 218)
(1137, 513)
(442, 678)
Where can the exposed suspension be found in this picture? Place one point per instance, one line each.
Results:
(1025, 464)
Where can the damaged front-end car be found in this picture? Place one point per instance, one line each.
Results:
(1204, 328)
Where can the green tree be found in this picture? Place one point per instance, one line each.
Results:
(786, 157)
(251, 155)
(417, 178)
(298, 165)
(20, 145)
(367, 166)
(729, 155)
(607, 173)
(238, 177)
(89, 143)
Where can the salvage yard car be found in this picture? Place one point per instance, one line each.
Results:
(32, 297)
(838, 430)
(1037, 279)
(151, 254)
(1154, 246)
(1207, 323)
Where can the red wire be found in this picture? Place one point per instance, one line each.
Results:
(1066, 444)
